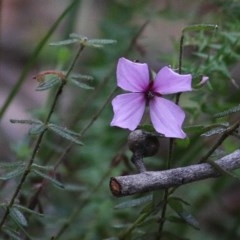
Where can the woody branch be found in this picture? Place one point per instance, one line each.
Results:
(154, 180)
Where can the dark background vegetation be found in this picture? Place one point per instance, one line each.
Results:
(87, 203)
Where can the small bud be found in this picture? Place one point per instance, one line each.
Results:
(143, 143)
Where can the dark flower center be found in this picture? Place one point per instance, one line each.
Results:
(150, 94)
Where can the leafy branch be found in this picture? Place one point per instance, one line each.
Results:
(39, 139)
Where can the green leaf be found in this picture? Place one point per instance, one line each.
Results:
(200, 27)
(78, 36)
(44, 168)
(182, 143)
(214, 131)
(95, 43)
(65, 133)
(48, 83)
(11, 165)
(228, 112)
(102, 41)
(18, 217)
(25, 121)
(179, 200)
(37, 127)
(48, 177)
(177, 205)
(64, 42)
(194, 129)
(190, 219)
(81, 76)
(25, 209)
(11, 233)
(206, 129)
(134, 202)
(13, 172)
(81, 84)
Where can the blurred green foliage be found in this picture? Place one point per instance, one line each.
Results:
(85, 208)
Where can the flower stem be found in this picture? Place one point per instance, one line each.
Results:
(39, 140)
(167, 193)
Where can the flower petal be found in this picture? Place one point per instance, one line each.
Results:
(131, 76)
(167, 117)
(167, 82)
(128, 110)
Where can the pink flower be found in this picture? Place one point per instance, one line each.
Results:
(167, 117)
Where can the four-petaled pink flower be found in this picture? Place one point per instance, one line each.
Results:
(167, 117)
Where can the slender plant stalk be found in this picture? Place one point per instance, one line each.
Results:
(32, 60)
(39, 140)
(171, 148)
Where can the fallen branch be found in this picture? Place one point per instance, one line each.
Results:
(153, 180)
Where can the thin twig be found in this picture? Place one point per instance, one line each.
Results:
(171, 147)
(226, 134)
(154, 180)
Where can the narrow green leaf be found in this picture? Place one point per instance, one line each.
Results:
(177, 205)
(214, 131)
(134, 202)
(65, 133)
(18, 217)
(25, 209)
(25, 121)
(222, 171)
(81, 76)
(200, 27)
(81, 84)
(190, 219)
(11, 165)
(13, 173)
(194, 128)
(78, 36)
(96, 43)
(44, 168)
(204, 129)
(179, 200)
(102, 41)
(48, 177)
(11, 233)
(48, 83)
(228, 112)
(201, 55)
(182, 143)
(64, 42)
